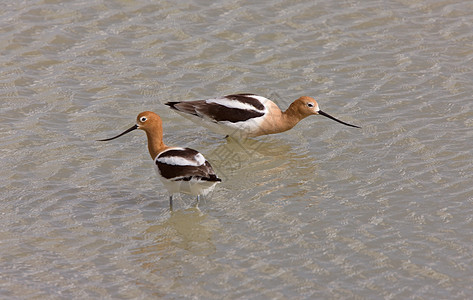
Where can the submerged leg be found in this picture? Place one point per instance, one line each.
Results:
(197, 201)
(170, 202)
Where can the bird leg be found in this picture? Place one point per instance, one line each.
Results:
(197, 201)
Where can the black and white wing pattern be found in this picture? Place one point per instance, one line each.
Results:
(231, 108)
(184, 164)
(230, 115)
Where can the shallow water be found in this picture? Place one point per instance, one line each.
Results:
(321, 211)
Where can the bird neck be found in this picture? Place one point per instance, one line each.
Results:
(292, 116)
(155, 142)
(278, 121)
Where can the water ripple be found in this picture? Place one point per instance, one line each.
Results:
(322, 211)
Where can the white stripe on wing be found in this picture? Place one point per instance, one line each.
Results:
(231, 103)
(176, 160)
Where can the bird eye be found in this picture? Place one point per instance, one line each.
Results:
(310, 104)
(143, 119)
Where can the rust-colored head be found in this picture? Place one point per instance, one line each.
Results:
(149, 122)
(152, 124)
(306, 106)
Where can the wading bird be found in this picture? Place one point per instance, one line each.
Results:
(248, 115)
(181, 170)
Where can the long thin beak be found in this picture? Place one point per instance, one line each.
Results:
(335, 119)
(125, 132)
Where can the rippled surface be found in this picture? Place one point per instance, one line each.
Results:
(322, 211)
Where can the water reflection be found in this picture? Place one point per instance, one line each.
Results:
(186, 229)
(231, 157)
